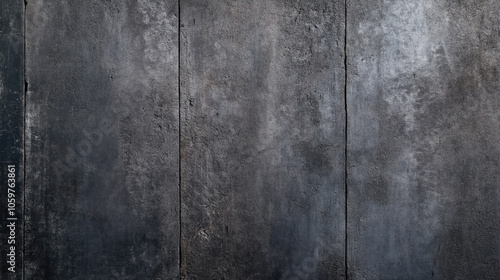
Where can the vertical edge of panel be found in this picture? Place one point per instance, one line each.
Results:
(11, 138)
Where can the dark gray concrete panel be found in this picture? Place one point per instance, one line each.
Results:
(11, 138)
(423, 159)
(102, 140)
(262, 151)
(11, 17)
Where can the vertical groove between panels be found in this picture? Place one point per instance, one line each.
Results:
(345, 147)
(24, 140)
(180, 126)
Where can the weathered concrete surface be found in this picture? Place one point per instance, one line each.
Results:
(262, 129)
(423, 158)
(11, 135)
(102, 140)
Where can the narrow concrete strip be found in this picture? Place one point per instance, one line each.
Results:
(11, 139)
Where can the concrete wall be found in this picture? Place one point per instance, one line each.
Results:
(102, 140)
(423, 143)
(260, 139)
(262, 150)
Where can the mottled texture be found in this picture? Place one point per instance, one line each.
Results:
(423, 152)
(262, 151)
(11, 130)
(257, 89)
(102, 140)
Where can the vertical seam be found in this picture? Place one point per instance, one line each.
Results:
(345, 145)
(180, 126)
(24, 140)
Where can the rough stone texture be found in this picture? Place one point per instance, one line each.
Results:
(11, 129)
(262, 129)
(423, 149)
(102, 140)
(262, 154)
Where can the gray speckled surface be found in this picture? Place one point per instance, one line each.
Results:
(258, 93)
(423, 139)
(262, 139)
(102, 140)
